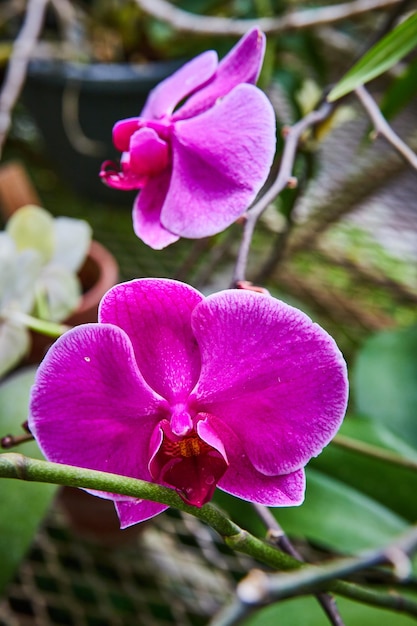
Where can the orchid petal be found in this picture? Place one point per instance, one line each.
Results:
(147, 213)
(122, 132)
(156, 314)
(242, 65)
(244, 481)
(273, 376)
(91, 407)
(149, 155)
(72, 242)
(216, 175)
(134, 511)
(164, 97)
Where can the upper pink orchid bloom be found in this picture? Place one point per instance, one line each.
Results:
(199, 166)
(237, 390)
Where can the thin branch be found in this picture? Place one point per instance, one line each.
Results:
(186, 22)
(382, 128)
(259, 587)
(349, 443)
(18, 62)
(277, 535)
(17, 466)
(292, 135)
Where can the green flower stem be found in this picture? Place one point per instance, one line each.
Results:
(51, 329)
(14, 465)
(349, 443)
(18, 466)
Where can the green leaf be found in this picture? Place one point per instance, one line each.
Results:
(385, 381)
(401, 91)
(306, 611)
(380, 58)
(392, 486)
(333, 515)
(14, 344)
(23, 504)
(339, 517)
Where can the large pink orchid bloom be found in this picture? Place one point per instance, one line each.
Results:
(236, 390)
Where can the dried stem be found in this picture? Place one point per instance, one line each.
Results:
(292, 135)
(382, 128)
(354, 445)
(19, 59)
(186, 22)
(277, 536)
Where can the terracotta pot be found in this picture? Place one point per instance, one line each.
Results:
(94, 518)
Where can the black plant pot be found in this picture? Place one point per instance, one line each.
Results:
(75, 107)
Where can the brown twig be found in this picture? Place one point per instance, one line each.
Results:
(292, 137)
(277, 535)
(183, 21)
(19, 59)
(382, 128)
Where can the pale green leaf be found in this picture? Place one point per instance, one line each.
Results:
(307, 612)
(23, 504)
(380, 58)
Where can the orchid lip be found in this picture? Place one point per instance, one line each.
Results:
(188, 463)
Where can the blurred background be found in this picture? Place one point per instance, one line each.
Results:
(342, 246)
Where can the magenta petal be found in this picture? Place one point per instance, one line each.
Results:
(149, 155)
(217, 174)
(90, 406)
(135, 511)
(273, 376)
(163, 98)
(147, 213)
(156, 314)
(241, 65)
(122, 132)
(244, 481)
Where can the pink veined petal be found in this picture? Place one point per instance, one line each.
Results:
(217, 174)
(241, 65)
(147, 212)
(149, 155)
(164, 97)
(90, 406)
(244, 481)
(156, 314)
(135, 511)
(273, 376)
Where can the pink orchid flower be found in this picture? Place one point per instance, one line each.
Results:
(201, 149)
(237, 390)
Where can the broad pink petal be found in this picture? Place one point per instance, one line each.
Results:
(273, 376)
(242, 65)
(147, 213)
(241, 479)
(164, 97)
(218, 172)
(156, 314)
(134, 511)
(90, 406)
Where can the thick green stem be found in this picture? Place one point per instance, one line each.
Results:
(18, 466)
(13, 465)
